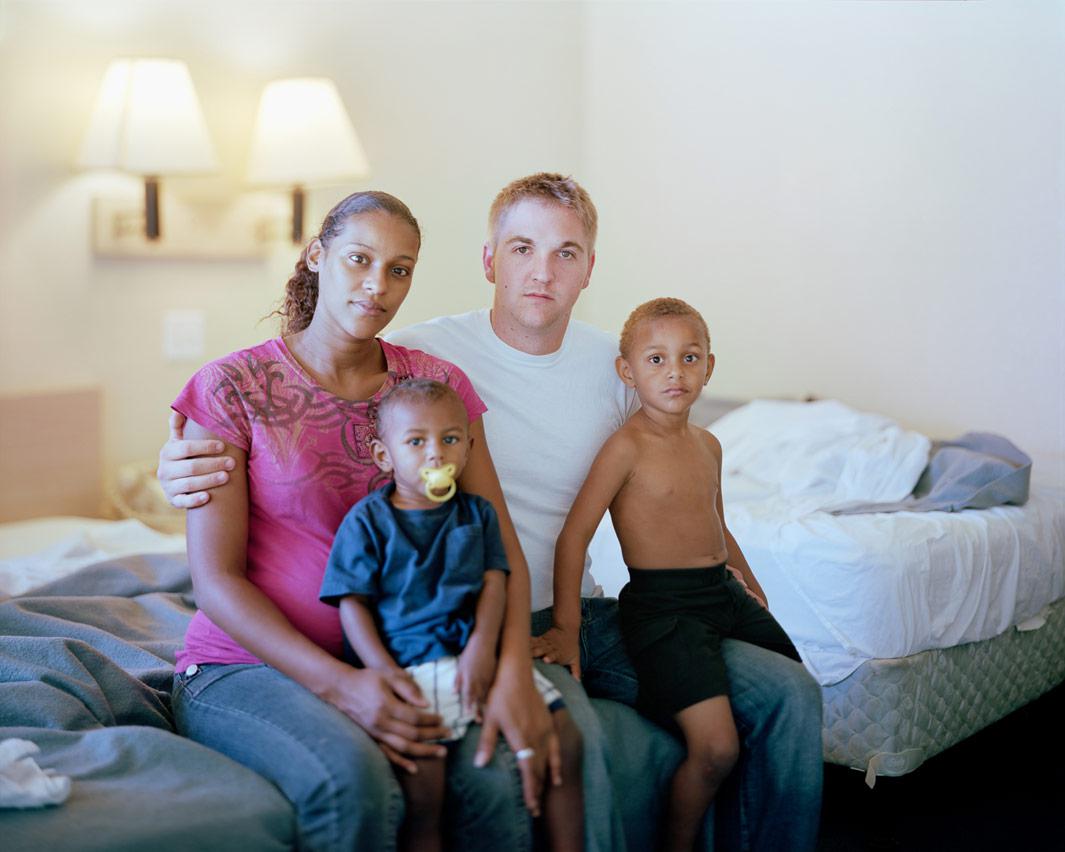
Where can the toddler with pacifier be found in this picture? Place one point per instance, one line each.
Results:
(418, 571)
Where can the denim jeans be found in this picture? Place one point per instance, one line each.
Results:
(603, 828)
(771, 800)
(338, 780)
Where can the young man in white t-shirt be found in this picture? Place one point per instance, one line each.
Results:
(553, 398)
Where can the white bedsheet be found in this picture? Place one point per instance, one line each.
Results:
(45, 549)
(858, 587)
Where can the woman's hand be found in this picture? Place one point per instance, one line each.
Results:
(386, 704)
(188, 468)
(559, 645)
(516, 708)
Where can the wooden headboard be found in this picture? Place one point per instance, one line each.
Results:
(50, 454)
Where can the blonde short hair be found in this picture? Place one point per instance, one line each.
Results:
(655, 309)
(547, 186)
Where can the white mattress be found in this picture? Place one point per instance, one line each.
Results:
(858, 587)
(852, 588)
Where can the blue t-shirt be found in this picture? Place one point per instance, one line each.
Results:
(421, 569)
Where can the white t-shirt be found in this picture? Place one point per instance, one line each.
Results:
(548, 416)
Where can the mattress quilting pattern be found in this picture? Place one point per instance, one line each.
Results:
(890, 716)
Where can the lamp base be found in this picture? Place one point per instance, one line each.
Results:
(151, 208)
(297, 214)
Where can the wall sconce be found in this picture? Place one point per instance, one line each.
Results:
(303, 136)
(147, 120)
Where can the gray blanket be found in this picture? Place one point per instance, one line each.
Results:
(85, 670)
(976, 471)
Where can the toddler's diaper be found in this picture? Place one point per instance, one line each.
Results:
(436, 680)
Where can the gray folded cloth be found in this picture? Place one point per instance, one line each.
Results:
(976, 471)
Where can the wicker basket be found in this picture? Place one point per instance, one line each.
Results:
(136, 493)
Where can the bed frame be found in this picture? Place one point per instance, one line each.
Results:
(50, 454)
(889, 716)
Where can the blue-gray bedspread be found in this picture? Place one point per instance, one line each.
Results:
(85, 669)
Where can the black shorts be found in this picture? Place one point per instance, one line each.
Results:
(673, 621)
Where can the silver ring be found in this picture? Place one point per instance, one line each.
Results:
(525, 753)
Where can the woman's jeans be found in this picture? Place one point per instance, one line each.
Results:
(342, 787)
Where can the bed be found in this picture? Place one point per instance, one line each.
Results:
(921, 627)
(91, 613)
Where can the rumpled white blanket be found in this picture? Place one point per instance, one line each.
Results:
(818, 455)
(23, 784)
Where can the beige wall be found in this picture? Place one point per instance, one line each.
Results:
(450, 101)
(866, 199)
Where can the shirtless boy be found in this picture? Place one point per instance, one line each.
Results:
(661, 480)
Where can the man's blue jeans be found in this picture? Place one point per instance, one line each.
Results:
(772, 799)
(338, 780)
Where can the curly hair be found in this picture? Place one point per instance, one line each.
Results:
(301, 290)
(548, 186)
(414, 391)
(655, 309)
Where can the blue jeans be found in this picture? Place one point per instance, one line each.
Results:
(603, 828)
(772, 799)
(338, 780)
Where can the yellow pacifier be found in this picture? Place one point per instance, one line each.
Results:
(439, 479)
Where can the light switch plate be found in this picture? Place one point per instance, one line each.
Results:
(184, 335)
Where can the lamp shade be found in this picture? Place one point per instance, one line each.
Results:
(303, 136)
(147, 120)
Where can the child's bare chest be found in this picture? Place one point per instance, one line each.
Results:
(677, 475)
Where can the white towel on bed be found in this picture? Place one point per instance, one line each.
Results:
(23, 784)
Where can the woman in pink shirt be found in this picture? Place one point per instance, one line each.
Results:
(260, 676)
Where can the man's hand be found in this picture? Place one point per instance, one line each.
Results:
(559, 645)
(476, 670)
(187, 469)
(516, 709)
(735, 572)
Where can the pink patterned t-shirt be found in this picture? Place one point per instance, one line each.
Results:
(308, 462)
